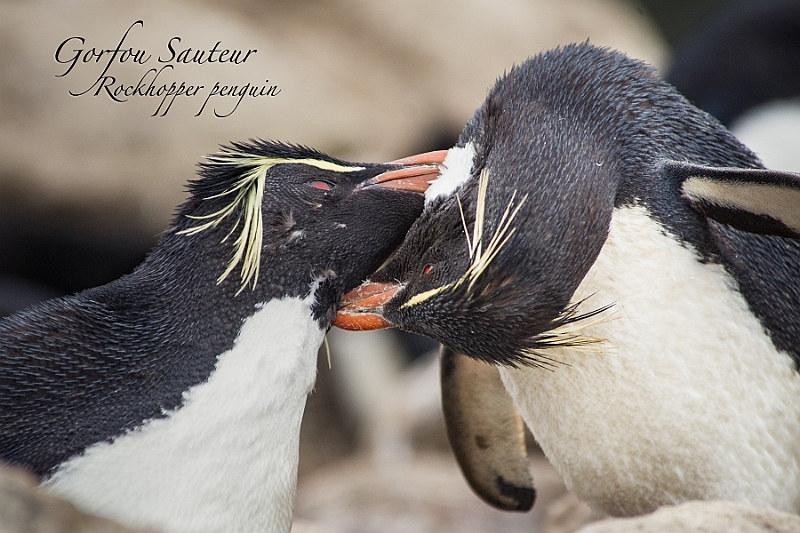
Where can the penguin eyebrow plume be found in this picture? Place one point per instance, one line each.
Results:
(246, 194)
(421, 297)
(480, 258)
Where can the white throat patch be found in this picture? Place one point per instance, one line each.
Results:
(456, 170)
(687, 399)
(227, 459)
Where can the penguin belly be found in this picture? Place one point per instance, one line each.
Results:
(687, 397)
(226, 460)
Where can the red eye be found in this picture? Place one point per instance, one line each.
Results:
(427, 269)
(321, 185)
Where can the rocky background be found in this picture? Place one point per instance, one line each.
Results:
(87, 183)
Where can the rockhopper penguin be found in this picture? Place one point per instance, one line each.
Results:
(632, 269)
(173, 396)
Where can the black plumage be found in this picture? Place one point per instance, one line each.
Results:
(84, 369)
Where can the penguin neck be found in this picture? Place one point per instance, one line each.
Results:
(137, 345)
(226, 460)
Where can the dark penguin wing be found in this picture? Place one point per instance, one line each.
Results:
(486, 432)
(754, 220)
(766, 202)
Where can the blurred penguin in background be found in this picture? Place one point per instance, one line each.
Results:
(743, 67)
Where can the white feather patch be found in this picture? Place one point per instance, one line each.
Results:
(689, 399)
(778, 202)
(227, 459)
(455, 172)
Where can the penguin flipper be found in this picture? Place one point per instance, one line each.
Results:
(753, 200)
(486, 432)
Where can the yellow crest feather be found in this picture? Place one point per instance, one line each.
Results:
(247, 194)
(480, 258)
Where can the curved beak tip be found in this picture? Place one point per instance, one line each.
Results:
(361, 307)
(416, 174)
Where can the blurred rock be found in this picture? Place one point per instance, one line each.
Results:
(304, 526)
(772, 131)
(358, 79)
(705, 517)
(426, 493)
(25, 509)
(397, 408)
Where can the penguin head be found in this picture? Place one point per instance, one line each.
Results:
(509, 228)
(524, 203)
(471, 277)
(278, 220)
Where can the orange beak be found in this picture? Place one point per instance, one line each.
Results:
(361, 307)
(416, 175)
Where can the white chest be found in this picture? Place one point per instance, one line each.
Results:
(227, 459)
(687, 399)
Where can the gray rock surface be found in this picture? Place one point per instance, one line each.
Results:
(702, 517)
(426, 493)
